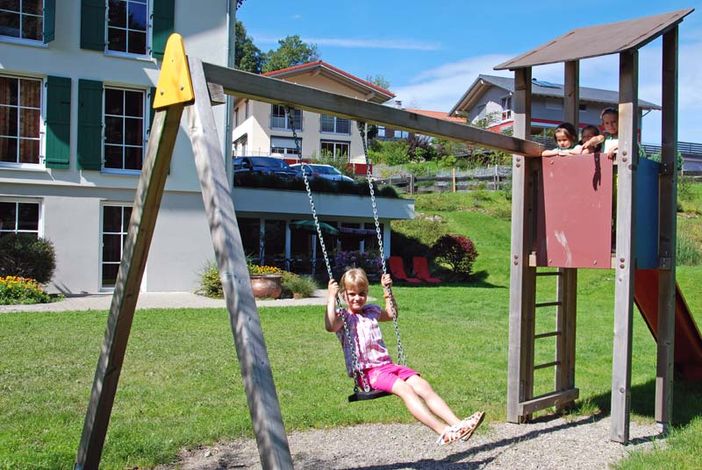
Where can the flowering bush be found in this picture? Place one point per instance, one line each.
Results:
(21, 290)
(256, 270)
(371, 263)
(457, 251)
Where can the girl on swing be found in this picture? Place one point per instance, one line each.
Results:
(375, 363)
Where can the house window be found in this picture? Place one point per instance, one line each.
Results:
(506, 103)
(285, 146)
(236, 117)
(279, 118)
(241, 146)
(582, 107)
(115, 224)
(124, 129)
(399, 134)
(335, 149)
(246, 109)
(127, 22)
(335, 124)
(23, 19)
(381, 132)
(19, 217)
(20, 120)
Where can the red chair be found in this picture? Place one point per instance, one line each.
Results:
(397, 269)
(420, 266)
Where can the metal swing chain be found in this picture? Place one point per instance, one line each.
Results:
(347, 331)
(369, 177)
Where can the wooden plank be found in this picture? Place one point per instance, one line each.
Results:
(566, 288)
(550, 399)
(141, 227)
(627, 158)
(667, 234)
(245, 323)
(522, 276)
(275, 91)
(217, 95)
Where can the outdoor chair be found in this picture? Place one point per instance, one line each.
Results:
(397, 270)
(420, 266)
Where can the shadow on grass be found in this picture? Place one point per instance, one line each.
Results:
(687, 401)
(478, 279)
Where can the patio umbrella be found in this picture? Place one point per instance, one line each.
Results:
(309, 226)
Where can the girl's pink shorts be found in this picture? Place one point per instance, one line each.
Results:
(384, 377)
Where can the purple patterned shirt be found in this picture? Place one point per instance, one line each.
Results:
(367, 339)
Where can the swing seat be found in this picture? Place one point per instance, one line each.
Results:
(372, 395)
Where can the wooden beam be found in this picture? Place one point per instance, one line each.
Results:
(245, 323)
(147, 200)
(557, 399)
(275, 91)
(522, 277)
(627, 159)
(667, 233)
(568, 281)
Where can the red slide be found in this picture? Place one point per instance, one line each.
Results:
(688, 342)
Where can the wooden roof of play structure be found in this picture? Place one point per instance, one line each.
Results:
(598, 40)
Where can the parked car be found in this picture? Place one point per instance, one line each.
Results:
(318, 170)
(264, 166)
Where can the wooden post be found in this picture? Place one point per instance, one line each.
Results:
(667, 234)
(567, 281)
(141, 228)
(453, 179)
(522, 278)
(250, 346)
(627, 159)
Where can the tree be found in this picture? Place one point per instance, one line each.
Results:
(378, 80)
(247, 56)
(291, 51)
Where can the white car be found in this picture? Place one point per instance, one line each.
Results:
(318, 170)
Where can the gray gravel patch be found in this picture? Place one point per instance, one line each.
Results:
(556, 443)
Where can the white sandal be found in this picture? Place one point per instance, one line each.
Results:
(472, 422)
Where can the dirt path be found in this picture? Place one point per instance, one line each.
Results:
(580, 443)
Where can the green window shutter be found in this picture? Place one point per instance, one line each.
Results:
(58, 122)
(152, 111)
(163, 21)
(89, 124)
(92, 24)
(49, 20)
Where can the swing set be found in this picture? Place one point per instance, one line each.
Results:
(189, 88)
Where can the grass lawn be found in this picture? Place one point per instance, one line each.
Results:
(180, 385)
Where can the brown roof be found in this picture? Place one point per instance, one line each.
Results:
(437, 115)
(598, 40)
(336, 71)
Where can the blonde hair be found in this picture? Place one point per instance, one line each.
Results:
(354, 277)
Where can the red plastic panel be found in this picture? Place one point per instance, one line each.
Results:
(574, 212)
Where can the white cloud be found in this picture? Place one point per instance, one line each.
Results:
(359, 43)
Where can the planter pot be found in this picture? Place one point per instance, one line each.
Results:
(268, 286)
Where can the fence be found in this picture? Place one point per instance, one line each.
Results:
(495, 178)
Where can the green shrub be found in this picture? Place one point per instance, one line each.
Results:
(295, 285)
(426, 230)
(458, 252)
(687, 252)
(21, 290)
(210, 283)
(27, 256)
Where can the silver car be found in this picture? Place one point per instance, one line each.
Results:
(318, 170)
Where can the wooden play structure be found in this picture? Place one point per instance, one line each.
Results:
(189, 88)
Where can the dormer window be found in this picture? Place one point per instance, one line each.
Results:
(506, 104)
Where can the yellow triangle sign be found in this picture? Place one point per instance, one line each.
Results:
(174, 84)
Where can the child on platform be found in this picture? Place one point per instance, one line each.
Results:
(374, 362)
(588, 133)
(566, 140)
(610, 139)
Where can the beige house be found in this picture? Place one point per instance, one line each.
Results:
(262, 129)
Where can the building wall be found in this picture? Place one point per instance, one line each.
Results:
(259, 131)
(72, 199)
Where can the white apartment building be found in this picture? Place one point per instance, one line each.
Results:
(76, 82)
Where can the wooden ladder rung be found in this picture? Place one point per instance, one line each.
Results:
(547, 335)
(546, 364)
(549, 399)
(549, 273)
(547, 304)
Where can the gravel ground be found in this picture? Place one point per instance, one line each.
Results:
(556, 443)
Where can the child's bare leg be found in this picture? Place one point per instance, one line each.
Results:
(434, 402)
(417, 406)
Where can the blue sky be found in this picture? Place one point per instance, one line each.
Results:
(431, 52)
